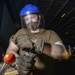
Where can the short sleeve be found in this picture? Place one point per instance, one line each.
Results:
(54, 37)
(13, 39)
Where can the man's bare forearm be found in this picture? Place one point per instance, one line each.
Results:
(55, 51)
(12, 48)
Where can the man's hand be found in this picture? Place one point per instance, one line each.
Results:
(25, 63)
(24, 41)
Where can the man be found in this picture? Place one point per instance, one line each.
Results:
(33, 46)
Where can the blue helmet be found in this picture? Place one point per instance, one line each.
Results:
(29, 9)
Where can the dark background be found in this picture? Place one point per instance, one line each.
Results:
(59, 16)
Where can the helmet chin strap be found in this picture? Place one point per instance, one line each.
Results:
(35, 31)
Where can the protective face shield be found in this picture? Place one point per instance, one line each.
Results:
(32, 21)
(31, 17)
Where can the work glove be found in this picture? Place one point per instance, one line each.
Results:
(39, 45)
(23, 41)
(25, 63)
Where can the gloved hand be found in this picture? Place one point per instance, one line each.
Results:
(39, 45)
(24, 41)
(25, 64)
